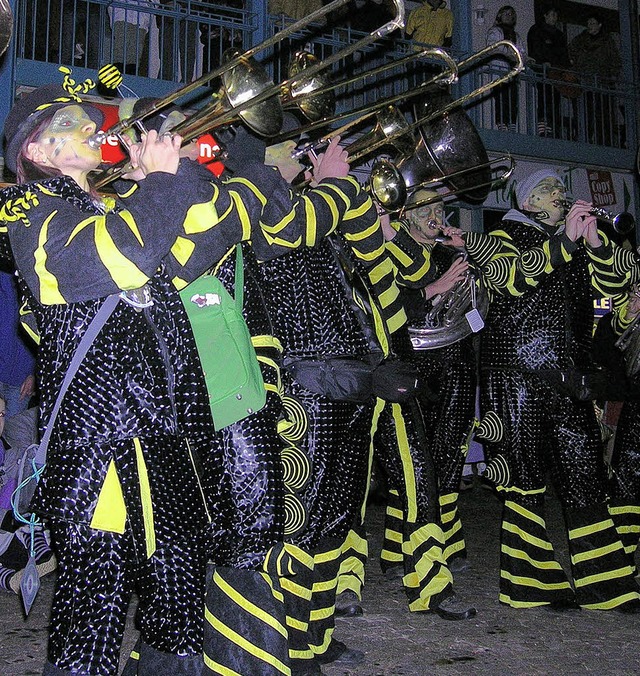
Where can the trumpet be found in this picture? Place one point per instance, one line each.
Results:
(623, 223)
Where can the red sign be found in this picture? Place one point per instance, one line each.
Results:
(601, 185)
(112, 151)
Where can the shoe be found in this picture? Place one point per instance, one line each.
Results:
(563, 606)
(305, 668)
(394, 573)
(459, 564)
(453, 608)
(339, 653)
(348, 604)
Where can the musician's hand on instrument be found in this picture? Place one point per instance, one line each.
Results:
(456, 273)
(577, 219)
(591, 234)
(160, 153)
(332, 163)
(388, 230)
(135, 173)
(454, 237)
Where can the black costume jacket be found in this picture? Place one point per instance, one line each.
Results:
(141, 377)
(542, 285)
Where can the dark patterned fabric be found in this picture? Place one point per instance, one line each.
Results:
(96, 577)
(311, 314)
(549, 326)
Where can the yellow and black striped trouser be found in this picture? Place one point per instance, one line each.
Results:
(531, 576)
(413, 533)
(625, 478)
(250, 620)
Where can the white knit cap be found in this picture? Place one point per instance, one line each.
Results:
(524, 189)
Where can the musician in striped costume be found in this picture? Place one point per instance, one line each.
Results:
(121, 488)
(542, 270)
(414, 539)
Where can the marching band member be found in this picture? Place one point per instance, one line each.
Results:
(542, 267)
(448, 375)
(120, 488)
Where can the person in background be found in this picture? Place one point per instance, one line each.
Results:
(431, 24)
(178, 39)
(15, 537)
(295, 9)
(547, 49)
(595, 56)
(506, 97)
(130, 28)
(17, 358)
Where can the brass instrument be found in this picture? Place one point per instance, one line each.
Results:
(453, 315)
(435, 113)
(388, 185)
(6, 25)
(623, 223)
(247, 98)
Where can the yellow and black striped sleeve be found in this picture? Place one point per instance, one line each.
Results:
(612, 267)
(364, 235)
(284, 219)
(512, 272)
(620, 320)
(411, 259)
(67, 251)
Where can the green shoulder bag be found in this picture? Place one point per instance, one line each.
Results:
(228, 358)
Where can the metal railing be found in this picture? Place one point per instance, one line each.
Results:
(178, 40)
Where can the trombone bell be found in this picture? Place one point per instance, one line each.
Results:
(448, 144)
(317, 107)
(244, 82)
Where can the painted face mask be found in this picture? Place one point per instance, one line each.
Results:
(428, 219)
(547, 197)
(69, 130)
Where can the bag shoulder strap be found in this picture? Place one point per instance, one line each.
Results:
(96, 324)
(239, 279)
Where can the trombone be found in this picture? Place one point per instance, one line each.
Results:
(204, 118)
(368, 111)
(389, 189)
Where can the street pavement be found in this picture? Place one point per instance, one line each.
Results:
(499, 641)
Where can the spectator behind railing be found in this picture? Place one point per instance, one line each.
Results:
(296, 9)
(130, 30)
(178, 39)
(216, 39)
(505, 97)
(593, 53)
(547, 48)
(431, 24)
(80, 30)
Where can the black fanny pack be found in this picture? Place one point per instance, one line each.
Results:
(581, 384)
(357, 380)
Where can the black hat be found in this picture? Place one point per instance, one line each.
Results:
(27, 112)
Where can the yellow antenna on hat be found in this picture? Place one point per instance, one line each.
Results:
(72, 88)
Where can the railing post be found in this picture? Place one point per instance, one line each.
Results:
(7, 73)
